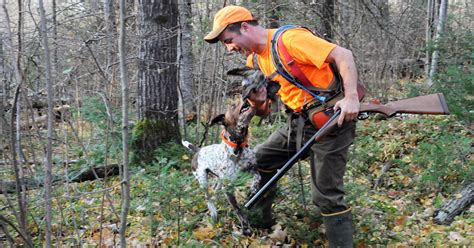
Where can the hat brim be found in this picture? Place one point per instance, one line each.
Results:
(213, 36)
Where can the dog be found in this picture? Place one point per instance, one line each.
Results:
(226, 159)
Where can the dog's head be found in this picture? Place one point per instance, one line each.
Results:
(254, 80)
(236, 121)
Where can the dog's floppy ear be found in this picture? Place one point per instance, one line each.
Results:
(244, 72)
(218, 120)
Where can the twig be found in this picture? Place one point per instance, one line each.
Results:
(23, 236)
(385, 168)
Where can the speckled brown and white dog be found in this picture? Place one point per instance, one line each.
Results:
(226, 159)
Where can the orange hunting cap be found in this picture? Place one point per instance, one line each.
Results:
(225, 16)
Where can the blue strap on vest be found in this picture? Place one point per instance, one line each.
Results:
(280, 69)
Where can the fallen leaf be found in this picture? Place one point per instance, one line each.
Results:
(428, 212)
(279, 233)
(393, 194)
(203, 233)
(360, 245)
(400, 221)
(457, 238)
(401, 245)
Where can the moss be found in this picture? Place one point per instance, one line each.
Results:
(148, 135)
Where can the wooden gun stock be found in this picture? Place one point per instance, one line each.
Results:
(433, 104)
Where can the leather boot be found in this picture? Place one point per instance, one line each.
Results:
(339, 229)
(261, 215)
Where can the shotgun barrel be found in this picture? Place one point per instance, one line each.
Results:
(323, 131)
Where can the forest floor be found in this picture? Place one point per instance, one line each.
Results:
(429, 159)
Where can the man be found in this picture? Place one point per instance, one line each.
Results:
(239, 31)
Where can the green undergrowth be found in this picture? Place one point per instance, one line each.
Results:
(429, 159)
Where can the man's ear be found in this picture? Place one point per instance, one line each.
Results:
(218, 120)
(244, 25)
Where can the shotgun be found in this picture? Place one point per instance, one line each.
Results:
(433, 104)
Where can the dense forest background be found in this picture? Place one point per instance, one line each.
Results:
(95, 97)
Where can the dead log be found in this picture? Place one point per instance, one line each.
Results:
(87, 175)
(40, 120)
(462, 200)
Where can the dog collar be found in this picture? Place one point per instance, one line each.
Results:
(232, 144)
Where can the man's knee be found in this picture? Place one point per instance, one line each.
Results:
(329, 204)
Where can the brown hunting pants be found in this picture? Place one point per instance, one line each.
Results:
(328, 162)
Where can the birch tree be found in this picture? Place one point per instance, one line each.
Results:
(430, 16)
(125, 172)
(443, 8)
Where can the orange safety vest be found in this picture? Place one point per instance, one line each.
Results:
(309, 53)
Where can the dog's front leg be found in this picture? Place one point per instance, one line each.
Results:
(211, 207)
(244, 223)
(255, 182)
(202, 177)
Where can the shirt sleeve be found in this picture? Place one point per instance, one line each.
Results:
(307, 48)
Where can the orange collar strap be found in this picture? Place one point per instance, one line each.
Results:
(232, 144)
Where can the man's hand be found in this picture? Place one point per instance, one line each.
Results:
(258, 99)
(349, 106)
(258, 95)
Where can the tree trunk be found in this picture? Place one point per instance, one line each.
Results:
(443, 7)
(342, 28)
(49, 151)
(3, 96)
(22, 204)
(125, 182)
(428, 33)
(109, 20)
(55, 38)
(271, 15)
(109, 84)
(326, 13)
(157, 72)
(186, 61)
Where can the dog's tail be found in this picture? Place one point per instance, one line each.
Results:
(190, 146)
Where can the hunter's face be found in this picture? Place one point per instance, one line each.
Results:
(235, 42)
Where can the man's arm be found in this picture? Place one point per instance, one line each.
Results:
(349, 105)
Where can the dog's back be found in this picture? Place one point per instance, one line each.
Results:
(217, 159)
